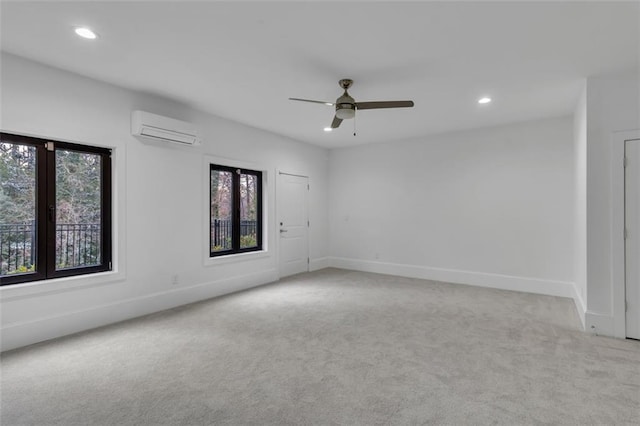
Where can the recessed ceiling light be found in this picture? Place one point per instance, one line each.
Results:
(328, 103)
(86, 33)
(484, 100)
(328, 129)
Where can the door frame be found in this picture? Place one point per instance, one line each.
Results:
(618, 270)
(280, 172)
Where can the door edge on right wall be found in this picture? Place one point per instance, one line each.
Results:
(631, 240)
(618, 327)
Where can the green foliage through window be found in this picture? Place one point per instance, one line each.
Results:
(53, 191)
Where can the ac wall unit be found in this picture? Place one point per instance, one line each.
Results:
(163, 129)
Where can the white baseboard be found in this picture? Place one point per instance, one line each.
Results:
(599, 324)
(20, 334)
(580, 306)
(317, 264)
(481, 279)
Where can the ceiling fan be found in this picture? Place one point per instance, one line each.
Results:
(346, 106)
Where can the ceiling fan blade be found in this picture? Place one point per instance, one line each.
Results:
(384, 104)
(336, 122)
(310, 100)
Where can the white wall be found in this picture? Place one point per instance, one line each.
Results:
(501, 207)
(160, 211)
(613, 105)
(580, 197)
(489, 207)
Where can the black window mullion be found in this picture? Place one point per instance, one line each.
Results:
(236, 209)
(105, 201)
(259, 212)
(41, 211)
(50, 209)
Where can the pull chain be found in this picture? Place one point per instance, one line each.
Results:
(354, 125)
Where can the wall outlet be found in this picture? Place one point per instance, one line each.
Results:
(174, 280)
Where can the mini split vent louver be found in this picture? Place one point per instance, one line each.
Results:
(163, 129)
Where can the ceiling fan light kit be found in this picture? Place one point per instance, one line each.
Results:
(345, 111)
(346, 106)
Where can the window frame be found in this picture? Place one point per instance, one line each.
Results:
(45, 217)
(236, 172)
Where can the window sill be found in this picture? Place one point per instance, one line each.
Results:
(236, 258)
(58, 285)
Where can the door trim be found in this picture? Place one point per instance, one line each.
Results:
(617, 231)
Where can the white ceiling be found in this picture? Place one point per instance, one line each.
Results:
(242, 60)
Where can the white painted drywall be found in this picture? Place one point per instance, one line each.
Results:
(158, 199)
(489, 207)
(613, 105)
(501, 207)
(580, 197)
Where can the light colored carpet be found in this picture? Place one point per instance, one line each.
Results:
(333, 347)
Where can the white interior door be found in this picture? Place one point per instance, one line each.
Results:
(632, 240)
(293, 223)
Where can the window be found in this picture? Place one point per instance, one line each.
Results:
(55, 209)
(236, 210)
